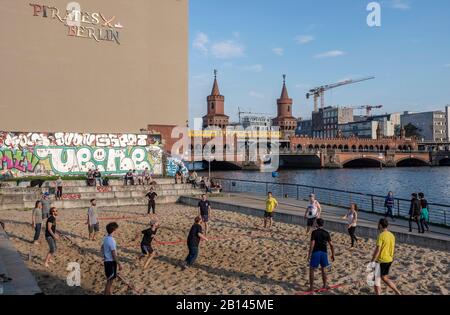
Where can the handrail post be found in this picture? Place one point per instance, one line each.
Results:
(373, 204)
(298, 195)
(398, 208)
(267, 188)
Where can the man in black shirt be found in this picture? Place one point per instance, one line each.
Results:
(193, 242)
(51, 236)
(151, 195)
(146, 244)
(318, 254)
(204, 211)
(414, 212)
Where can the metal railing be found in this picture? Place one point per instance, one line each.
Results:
(438, 213)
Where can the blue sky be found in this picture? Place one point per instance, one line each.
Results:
(315, 42)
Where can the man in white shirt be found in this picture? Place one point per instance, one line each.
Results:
(92, 220)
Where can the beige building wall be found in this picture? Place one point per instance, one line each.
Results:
(51, 82)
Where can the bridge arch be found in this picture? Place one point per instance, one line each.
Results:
(412, 161)
(444, 162)
(362, 163)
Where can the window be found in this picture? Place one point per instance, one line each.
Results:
(212, 105)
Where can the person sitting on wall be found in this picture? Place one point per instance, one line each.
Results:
(208, 187)
(135, 178)
(193, 177)
(178, 177)
(98, 178)
(202, 183)
(216, 185)
(128, 178)
(90, 178)
(147, 176)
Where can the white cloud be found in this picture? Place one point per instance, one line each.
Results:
(330, 54)
(254, 68)
(200, 43)
(278, 51)
(255, 94)
(399, 4)
(304, 39)
(227, 49)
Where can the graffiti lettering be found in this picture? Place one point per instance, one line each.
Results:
(104, 189)
(22, 161)
(71, 197)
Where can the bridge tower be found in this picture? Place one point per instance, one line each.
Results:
(284, 120)
(215, 116)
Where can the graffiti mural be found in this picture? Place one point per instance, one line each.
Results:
(46, 154)
(173, 165)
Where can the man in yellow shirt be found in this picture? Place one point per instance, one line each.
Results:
(384, 255)
(271, 205)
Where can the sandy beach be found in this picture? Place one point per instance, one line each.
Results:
(240, 258)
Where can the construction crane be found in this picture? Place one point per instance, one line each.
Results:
(369, 108)
(319, 92)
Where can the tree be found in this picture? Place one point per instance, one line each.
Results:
(412, 131)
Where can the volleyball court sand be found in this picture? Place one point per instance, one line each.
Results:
(240, 259)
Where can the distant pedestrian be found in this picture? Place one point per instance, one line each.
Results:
(352, 219)
(92, 220)
(51, 236)
(384, 256)
(318, 253)
(424, 214)
(414, 212)
(204, 211)
(110, 258)
(46, 205)
(59, 188)
(313, 212)
(389, 204)
(193, 242)
(151, 195)
(36, 221)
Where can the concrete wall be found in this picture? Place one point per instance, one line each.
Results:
(50, 81)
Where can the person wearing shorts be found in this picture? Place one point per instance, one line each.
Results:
(110, 259)
(384, 255)
(92, 220)
(204, 211)
(271, 205)
(148, 236)
(312, 213)
(318, 253)
(51, 236)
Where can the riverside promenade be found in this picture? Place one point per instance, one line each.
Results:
(292, 211)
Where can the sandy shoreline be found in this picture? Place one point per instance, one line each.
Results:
(241, 258)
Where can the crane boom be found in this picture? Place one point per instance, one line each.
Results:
(320, 91)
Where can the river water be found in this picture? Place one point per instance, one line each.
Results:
(433, 182)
